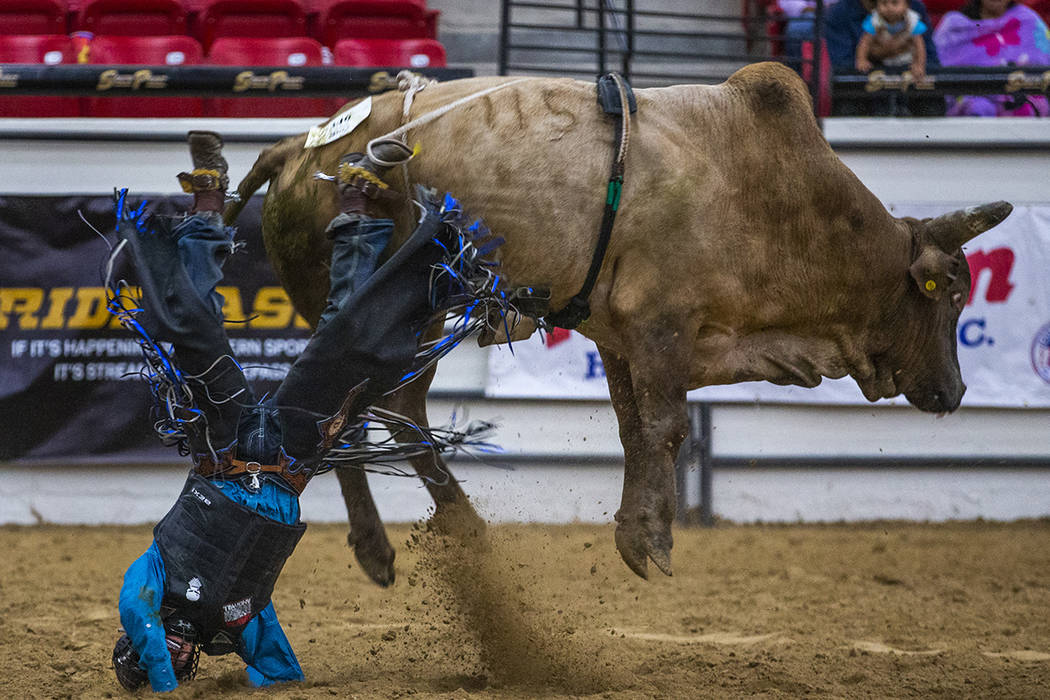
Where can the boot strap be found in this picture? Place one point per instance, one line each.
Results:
(228, 467)
(372, 191)
(365, 181)
(201, 180)
(348, 174)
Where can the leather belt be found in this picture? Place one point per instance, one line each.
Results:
(228, 467)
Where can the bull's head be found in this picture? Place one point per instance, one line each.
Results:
(925, 365)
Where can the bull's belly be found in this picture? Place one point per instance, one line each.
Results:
(773, 356)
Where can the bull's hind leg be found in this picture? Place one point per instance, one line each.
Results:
(367, 536)
(649, 400)
(453, 512)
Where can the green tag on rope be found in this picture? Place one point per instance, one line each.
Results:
(612, 197)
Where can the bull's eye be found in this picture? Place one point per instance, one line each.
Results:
(957, 298)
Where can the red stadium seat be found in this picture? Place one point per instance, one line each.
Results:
(38, 17)
(287, 51)
(376, 19)
(49, 49)
(132, 17)
(150, 51)
(252, 18)
(1040, 6)
(407, 53)
(937, 9)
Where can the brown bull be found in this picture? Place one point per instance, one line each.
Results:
(744, 250)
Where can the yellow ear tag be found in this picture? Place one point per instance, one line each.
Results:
(930, 285)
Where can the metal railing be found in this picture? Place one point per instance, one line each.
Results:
(698, 454)
(647, 45)
(654, 47)
(946, 80)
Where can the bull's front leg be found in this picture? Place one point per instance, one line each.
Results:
(649, 400)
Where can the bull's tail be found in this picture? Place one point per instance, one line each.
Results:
(266, 167)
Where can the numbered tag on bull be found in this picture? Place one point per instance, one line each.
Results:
(340, 125)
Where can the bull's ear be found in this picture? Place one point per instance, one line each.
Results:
(932, 271)
(950, 231)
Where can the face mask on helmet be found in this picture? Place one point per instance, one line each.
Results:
(181, 639)
(126, 665)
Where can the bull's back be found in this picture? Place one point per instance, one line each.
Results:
(533, 159)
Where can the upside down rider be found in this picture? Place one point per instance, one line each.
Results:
(206, 581)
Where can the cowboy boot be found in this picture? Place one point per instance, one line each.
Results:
(208, 181)
(357, 238)
(359, 176)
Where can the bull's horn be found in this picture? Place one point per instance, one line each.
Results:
(950, 231)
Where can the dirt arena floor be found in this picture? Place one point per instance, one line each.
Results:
(879, 611)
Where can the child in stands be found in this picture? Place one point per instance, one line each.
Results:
(893, 22)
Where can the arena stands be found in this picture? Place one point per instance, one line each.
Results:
(414, 53)
(376, 19)
(274, 51)
(39, 17)
(779, 15)
(171, 50)
(48, 49)
(252, 33)
(252, 18)
(127, 18)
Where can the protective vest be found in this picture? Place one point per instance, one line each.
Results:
(221, 561)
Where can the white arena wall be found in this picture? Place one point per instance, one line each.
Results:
(562, 459)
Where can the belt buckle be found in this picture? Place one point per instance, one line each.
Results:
(254, 484)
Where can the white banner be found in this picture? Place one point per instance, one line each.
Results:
(1004, 335)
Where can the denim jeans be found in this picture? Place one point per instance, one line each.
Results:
(357, 243)
(188, 313)
(367, 337)
(178, 263)
(204, 245)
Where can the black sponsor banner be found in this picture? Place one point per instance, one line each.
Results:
(68, 372)
(224, 81)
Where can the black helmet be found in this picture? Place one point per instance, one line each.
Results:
(181, 638)
(126, 664)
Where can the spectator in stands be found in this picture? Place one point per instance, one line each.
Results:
(799, 26)
(994, 33)
(843, 29)
(899, 28)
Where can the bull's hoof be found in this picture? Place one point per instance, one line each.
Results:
(374, 554)
(640, 541)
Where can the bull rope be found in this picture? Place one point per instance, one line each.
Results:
(412, 83)
(430, 116)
